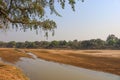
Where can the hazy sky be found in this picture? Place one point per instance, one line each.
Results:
(92, 19)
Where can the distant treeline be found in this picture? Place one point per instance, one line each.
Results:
(112, 42)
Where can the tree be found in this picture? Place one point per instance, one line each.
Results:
(2, 44)
(117, 45)
(62, 44)
(11, 44)
(20, 45)
(29, 44)
(96, 44)
(100, 44)
(111, 40)
(75, 44)
(44, 44)
(30, 14)
(86, 44)
(54, 44)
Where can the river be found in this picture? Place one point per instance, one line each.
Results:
(38, 69)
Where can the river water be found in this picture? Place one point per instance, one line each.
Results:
(38, 69)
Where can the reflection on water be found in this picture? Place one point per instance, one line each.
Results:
(38, 69)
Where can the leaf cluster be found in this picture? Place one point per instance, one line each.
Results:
(30, 14)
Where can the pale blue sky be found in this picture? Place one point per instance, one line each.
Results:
(92, 19)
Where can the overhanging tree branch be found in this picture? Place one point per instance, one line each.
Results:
(31, 13)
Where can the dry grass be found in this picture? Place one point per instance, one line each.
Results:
(8, 72)
(92, 51)
(12, 55)
(101, 60)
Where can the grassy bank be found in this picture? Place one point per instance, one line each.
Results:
(12, 55)
(8, 72)
(100, 60)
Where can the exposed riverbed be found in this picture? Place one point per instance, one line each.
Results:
(38, 69)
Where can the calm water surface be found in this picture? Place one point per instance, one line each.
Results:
(37, 69)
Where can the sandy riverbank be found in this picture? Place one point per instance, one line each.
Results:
(100, 60)
(9, 72)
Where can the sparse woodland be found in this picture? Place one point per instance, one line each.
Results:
(112, 42)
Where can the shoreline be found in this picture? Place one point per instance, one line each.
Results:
(99, 60)
(9, 72)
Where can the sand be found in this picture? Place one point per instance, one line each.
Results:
(100, 60)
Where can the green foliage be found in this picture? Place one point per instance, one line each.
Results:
(62, 44)
(2, 44)
(11, 44)
(54, 44)
(93, 44)
(112, 42)
(30, 14)
(43, 44)
(20, 45)
(74, 44)
(117, 45)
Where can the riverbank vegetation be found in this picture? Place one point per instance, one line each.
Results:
(8, 72)
(112, 42)
(12, 55)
